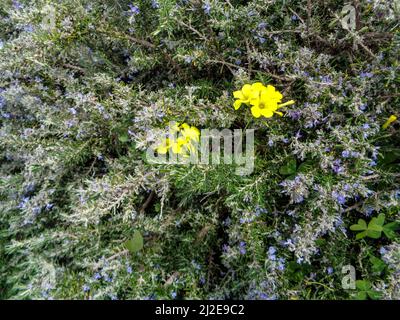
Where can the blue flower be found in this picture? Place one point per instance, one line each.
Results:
(155, 4)
(329, 270)
(382, 251)
(134, 9)
(173, 294)
(345, 154)
(97, 276)
(206, 7)
(242, 247)
(85, 288)
(129, 269)
(271, 250)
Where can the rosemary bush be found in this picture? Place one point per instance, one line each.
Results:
(86, 87)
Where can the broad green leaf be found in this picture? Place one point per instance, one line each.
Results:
(377, 264)
(361, 235)
(390, 234)
(289, 168)
(392, 226)
(305, 166)
(374, 295)
(373, 234)
(358, 227)
(374, 227)
(363, 285)
(134, 244)
(361, 295)
(123, 138)
(380, 220)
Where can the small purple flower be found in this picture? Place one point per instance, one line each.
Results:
(337, 167)
(262, 25)
(345, 154)
(242, 247)
(366, 75)
(363, 107)
(207, 8)
(72, 111)
(134, 9)
(300, 260)
(173, 294)
(271, 253)
(339, 197)
(129, 269)
(28, 28)
(382, 251)
(23, 203)
(97, 276)
(85, 288)
(155, 4)
(329, 270)
(261, 39)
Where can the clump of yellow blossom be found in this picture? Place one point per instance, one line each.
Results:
(391, 119)
(263, 100)
(182, 140)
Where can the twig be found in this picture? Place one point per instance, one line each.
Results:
(147, 202)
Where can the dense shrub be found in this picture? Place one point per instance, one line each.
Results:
(85, 87)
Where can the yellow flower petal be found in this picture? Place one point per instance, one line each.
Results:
(290, 102)
(268, 113)
(256, 111)
(258, 86)
(238, 95)
(237, 104)
(246, 90)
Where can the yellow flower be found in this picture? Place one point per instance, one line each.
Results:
(391, 119)
(247, 93)
(268, 102)
(177, 146)
(181, 140)
(190, 132)
(164, 146)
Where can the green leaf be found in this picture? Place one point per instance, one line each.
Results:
(392, 226)
(373, 234)
(305, 166)
(389, 229)
(361, 295)
(374, 227)
(361, 235)
(361, 225)
(289, 168)
(380, 220)
(134, 244)
(123, 138)
(377, 264)
(390, 234)
(363, 285)
(374, 295)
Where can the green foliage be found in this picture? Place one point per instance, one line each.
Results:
(134, 244)
(375, 228)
